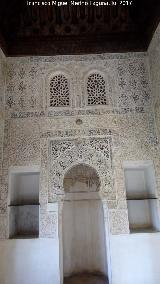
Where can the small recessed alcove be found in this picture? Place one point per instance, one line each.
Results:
(23, 202)
(140, 180)
(24, 221)
(143, 212)
(24, 188)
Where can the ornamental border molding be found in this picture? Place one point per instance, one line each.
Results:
(66, 58)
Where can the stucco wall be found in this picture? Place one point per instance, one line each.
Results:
(3, 191)
(2, 95)
(125, 126)
(154, 60)
(123, 130)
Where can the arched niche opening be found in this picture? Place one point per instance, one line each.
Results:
(83, 229)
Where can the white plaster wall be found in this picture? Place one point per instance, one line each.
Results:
(29, 261)
(135, 259)
(83, 237)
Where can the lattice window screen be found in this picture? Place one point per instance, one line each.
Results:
(96, 90)
(59, 91)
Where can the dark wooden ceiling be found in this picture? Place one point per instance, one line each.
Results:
(69, 29)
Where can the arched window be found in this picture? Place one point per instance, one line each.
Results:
(59, 91)
(96, 90)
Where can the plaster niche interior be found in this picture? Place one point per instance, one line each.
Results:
(23, 203)
(84, 244)
(142, 202)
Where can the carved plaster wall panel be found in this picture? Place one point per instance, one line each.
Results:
(125, 78)
(49, 225)
(2, 95)
(24, 142)
(3, 226)
(91, 146)
(134, 88)
(154, 63)
(97, 125)
(3, 196)
(2, 81)
(37, 134)
(1, 143)
(154, 60)
(93, 152)
(24, 88)
(3, 186)
(119, 222)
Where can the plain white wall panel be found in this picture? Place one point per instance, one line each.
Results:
(29, 261)
(135, 258)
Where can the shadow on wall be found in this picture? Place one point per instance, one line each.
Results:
(86, 279)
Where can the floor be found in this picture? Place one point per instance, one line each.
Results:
(86, 279)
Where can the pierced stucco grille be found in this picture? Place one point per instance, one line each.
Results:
(59, 91)
(96, 90)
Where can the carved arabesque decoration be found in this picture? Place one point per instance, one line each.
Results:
(81, 178)
(95, 152)
(122, 85)
(24, 142)
(59, 91)
(134, 88)
(96, 90)
(128, 117)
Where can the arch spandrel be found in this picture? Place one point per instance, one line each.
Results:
(85, 152)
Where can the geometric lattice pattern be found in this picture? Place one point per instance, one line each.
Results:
(96, 90)
(59, 91)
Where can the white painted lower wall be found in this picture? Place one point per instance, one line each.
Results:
(135, 258)
(29, 261)
(83, 237)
